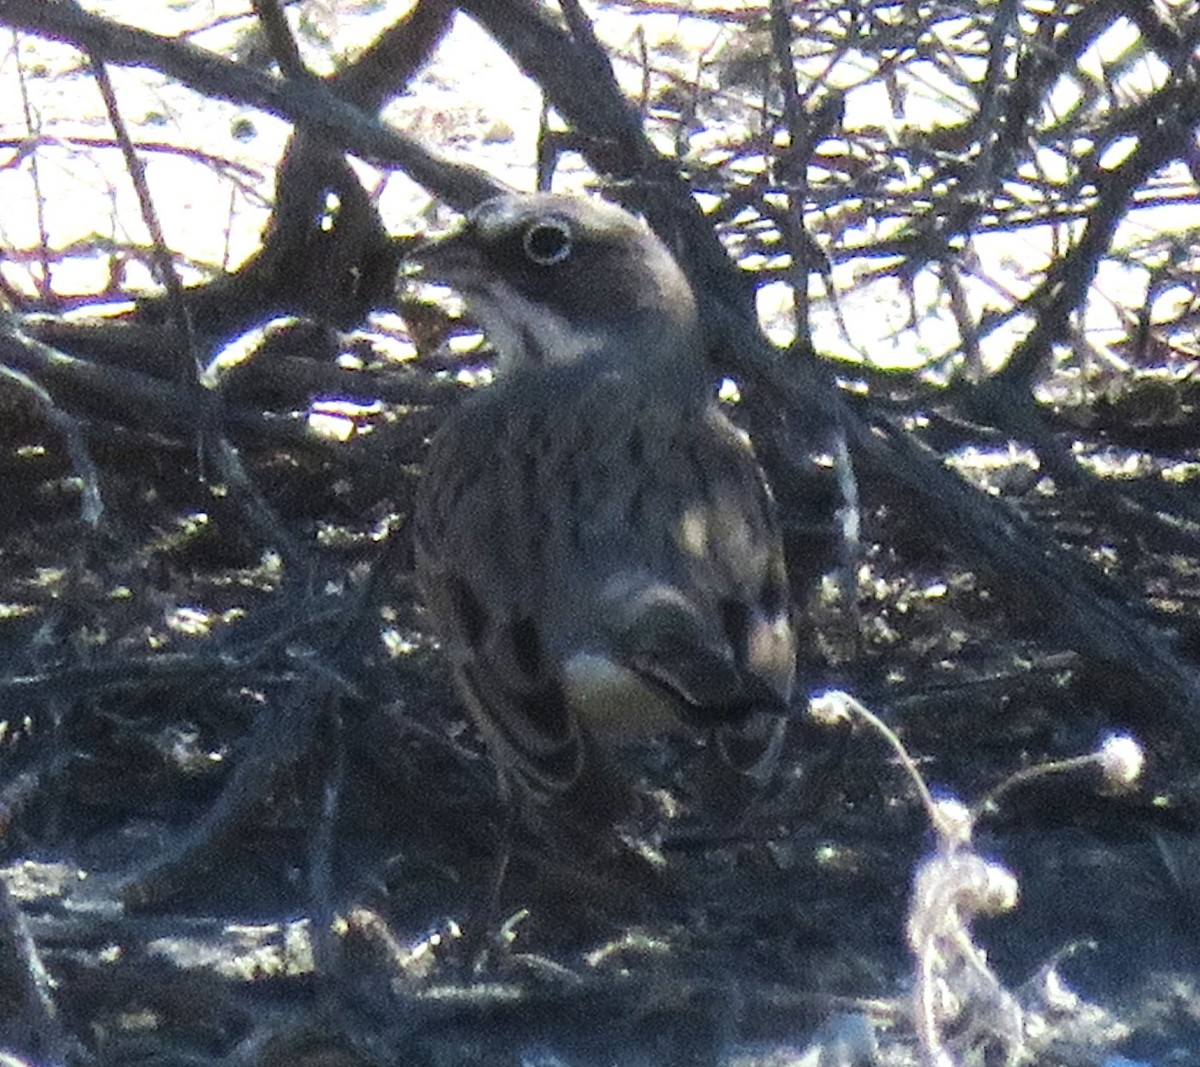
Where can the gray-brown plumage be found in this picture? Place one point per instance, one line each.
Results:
(595, 540)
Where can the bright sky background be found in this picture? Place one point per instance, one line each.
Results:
(472, 102)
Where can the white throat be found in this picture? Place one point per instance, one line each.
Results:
(528, 335)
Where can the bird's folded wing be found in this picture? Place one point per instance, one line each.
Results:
(726, 550)
(731, 554)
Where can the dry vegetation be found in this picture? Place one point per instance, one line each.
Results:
(242, 820)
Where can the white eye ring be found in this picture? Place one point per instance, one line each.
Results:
(547, 241)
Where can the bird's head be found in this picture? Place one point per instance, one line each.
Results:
(554, 279)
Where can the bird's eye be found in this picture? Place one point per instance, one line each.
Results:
(547, 242)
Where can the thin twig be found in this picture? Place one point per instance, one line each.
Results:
(163, 261)
(91, 503)
(44, 282)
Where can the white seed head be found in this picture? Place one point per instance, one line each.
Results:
(829, 708)
(1121, 761)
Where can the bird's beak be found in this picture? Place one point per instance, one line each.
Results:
(450, 259)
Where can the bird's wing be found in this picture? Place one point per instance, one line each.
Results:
(727, 647)
(741, 554)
